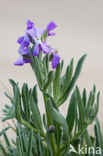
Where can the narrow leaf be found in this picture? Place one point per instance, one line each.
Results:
(30, 144)
(35, 114)
(57, 116)
(73, 81)
(68, 77)
(56, 83)
(71, 114)
(50, 79)
(6, 138)
(17, 104)
(80, 108)
(99, 141)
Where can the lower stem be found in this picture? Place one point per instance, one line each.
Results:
(49, 122)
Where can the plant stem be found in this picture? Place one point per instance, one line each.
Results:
(49, 122)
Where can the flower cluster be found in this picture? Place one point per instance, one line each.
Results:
(38, 38)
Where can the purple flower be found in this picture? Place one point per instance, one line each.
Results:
(20, 40)
(36, 35)
(22, 59)
(30, 24)
(23, 50)
(51, 26)
(55, 60)
(51, 33)
(24, 42)
(36, 50)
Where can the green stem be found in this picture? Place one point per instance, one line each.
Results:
(36, 67)
(49, 122)
(58, 139)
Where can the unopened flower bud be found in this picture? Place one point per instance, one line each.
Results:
(51, 129)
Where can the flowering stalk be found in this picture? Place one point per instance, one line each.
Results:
(38, 38)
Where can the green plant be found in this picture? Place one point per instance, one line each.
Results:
(51, 134)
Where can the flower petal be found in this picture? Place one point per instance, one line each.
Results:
(30, 24)
(39, 32)
(51, 26)
(44, 48)
(55, 60)
(20, 39)
(26, 40)
(23, 50)
(31, 33)
(19, 62)
(36, 50)
(51, 33)
(27, 60)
